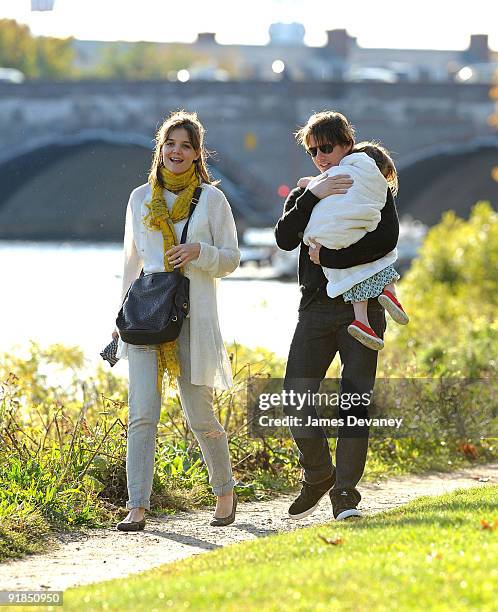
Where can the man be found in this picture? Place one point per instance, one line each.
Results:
(322, 325)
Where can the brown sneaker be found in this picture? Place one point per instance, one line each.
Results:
(309, 498)
(344, 502)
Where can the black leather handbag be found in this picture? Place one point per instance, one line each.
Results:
(156, 304)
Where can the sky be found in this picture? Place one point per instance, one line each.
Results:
(420, 24)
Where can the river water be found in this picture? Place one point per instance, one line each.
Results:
(68, 293)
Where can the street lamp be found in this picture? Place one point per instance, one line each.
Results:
(278, 66)
(183, 76)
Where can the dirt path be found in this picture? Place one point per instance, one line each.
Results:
(103, 554)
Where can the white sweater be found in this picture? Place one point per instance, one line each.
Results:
(213, 226)
(342, 219)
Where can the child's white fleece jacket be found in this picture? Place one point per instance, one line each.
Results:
(342, 219)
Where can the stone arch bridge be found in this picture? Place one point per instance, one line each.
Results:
(70, 152)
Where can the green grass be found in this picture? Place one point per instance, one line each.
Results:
(432, 554)
(63, 447)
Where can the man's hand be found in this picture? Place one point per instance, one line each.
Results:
(331, 185)
(181, 254)
(304, 182)
(314, 251)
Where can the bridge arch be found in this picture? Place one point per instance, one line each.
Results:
(76, 186)
(448, 176)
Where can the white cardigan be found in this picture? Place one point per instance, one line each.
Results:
(213, 226)
(342, 219)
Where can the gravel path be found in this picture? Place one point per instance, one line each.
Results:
(102, 554)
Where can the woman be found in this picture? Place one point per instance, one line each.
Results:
(197, 359)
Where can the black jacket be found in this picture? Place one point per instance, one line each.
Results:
(289, 232)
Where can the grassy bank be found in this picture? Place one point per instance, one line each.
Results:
(433, 554)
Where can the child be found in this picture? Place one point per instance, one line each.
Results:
(340, 220)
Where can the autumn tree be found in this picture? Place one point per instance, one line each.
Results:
(37, 57)
(54, 58)
(142, 61)
(17, 47)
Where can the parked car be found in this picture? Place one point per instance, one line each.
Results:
(365, 74)
(208, 72)
(284, 263)
(258, 246)
(412, 233)
(11, 75)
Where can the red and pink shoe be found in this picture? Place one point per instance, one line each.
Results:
(365, 335)
(393, 307)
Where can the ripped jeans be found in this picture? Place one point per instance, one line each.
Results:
(144, 411)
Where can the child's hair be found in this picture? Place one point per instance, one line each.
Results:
(326, 127)
(383, 160)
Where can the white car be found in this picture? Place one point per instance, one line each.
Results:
(11, 75)
(366, 74)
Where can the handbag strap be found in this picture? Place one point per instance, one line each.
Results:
(193, 204)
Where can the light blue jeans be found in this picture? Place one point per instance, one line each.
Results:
(144, 410)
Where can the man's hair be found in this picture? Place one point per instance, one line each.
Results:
(383, 160)
(326, 127)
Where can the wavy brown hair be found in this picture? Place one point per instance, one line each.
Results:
(195, 130)
(382, 158)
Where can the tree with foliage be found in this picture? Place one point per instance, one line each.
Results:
(54, 58)
(142, 61)
(17, 47)
(37, 57)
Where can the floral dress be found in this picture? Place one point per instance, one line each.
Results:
(371, 287)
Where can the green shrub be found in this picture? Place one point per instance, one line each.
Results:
(451, 295)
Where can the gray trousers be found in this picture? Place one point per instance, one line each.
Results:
(144, 411)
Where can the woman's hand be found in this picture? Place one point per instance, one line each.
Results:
(331, 185)
(181, 254)
(314, 252)
(304, 182)
(115, 335)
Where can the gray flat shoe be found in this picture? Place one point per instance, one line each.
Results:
(226, 520)
(131, 526)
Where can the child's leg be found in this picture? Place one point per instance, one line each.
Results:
(390, 302)
(360, 327)
(361, 312)
(392, 288)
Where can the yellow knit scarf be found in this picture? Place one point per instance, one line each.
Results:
(160, 218)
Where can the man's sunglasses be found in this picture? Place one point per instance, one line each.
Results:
(326, 149)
